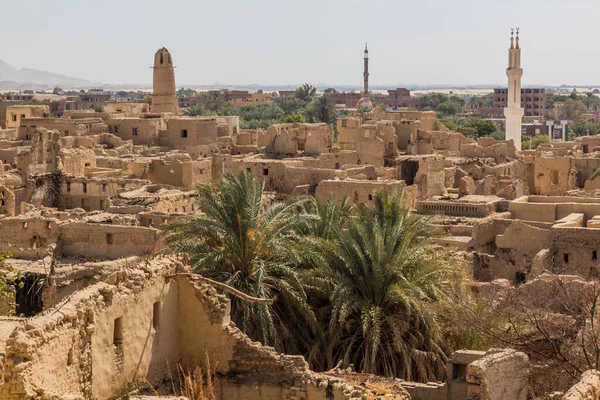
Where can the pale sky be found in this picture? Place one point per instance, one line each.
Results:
(319, 41)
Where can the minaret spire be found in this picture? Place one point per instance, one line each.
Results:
(366, 73)
(512, 38)
(364, 100)
(513, 111)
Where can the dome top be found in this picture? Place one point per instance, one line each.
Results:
(364, 102)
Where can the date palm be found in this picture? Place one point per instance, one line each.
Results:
(193, 111)
(255, 249)
(328, 217)
(306, 92)
(381, 272)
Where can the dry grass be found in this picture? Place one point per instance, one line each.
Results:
(195, 384)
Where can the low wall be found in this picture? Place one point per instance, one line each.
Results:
(106, 241)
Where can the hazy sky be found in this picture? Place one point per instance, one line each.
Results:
(289, 42)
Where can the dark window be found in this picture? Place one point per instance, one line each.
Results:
(135, 131)
(370, 197)
(85, 188)
(459, 372)
(566, 258)
(118, 332)
(104, 187)
(594, 255)
(337, 165)
(156, 315)
(109, 238)
(184, 133)
(265, 171)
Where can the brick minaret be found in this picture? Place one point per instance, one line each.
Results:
(364, 100)
(164, 92)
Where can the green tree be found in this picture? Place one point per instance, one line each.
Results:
(584, 128)
(322, 109)
(252, 248)
(306, 93)
(477, 127)
(193, 111)
(330, 90)
(210, 101)
(331, 216)
(449, 123)
(533, 142)
(572, 109)
(448, 108)
(291, 105)
(290, 118)
(381, 274)
(57, 90)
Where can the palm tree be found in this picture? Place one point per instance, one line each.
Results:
(329, 217)
(193, 111)
(381, 272)
(255, 249)
(322, 109)
(306, 93)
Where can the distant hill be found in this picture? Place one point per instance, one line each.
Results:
(17, 79)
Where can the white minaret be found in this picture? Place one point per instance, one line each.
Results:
(513, 111)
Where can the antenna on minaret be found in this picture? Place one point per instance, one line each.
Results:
(517, 38)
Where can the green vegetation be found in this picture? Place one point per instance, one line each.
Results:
(254, 249)
(473, 127)
(306, 106)
(8, 277)
(193, 111)
(533, 143)
(573, 105)
(584, 128)
(444, 105)
(380, 275)
(32, 102)
(359, 291)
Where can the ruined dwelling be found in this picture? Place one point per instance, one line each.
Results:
(82, 196)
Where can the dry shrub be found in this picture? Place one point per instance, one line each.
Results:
(195, 384)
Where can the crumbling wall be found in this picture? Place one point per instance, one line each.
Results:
(500, 375)
(116, 336)
(354, 190)
(588, 387)
(142, 131)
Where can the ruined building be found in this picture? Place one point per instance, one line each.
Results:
(97, 315)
